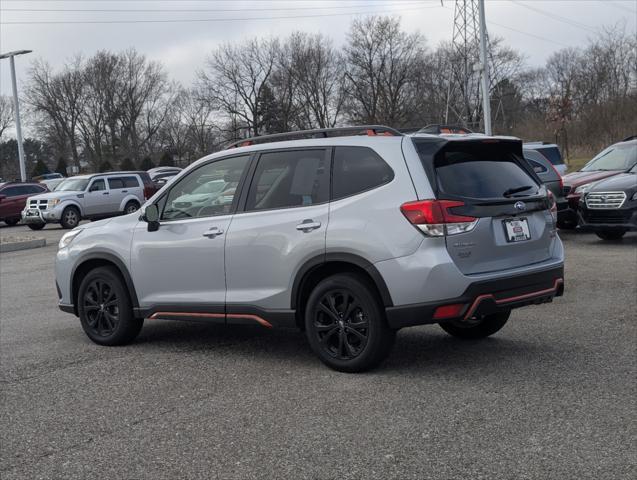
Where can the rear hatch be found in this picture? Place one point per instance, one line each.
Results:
(487, 179)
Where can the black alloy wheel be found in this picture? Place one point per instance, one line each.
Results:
(345, 323)
(101, 307)
(105, 308)
(341, 324)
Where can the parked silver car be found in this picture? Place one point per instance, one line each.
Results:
(349, 237)
(88, 196)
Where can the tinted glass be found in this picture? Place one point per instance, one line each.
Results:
(115, 183)
(12, 191)
(130, 182)
(616, 157)
(185, 201)
(553, 154)
(537, 168)
(290, 179)
(97, 185)
(29, 189)
(481, 171)
(357, 169)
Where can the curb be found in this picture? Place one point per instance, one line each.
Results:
(25, 245)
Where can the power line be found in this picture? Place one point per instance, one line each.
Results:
(619, 6)
(212, 20)
(557, 17)
(490, 22)
(193, 10)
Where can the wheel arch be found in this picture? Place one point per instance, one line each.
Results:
(72, 203)
(129, 198)
(323, 266)
(95, 260)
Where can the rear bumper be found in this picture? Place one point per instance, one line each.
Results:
(486, 297)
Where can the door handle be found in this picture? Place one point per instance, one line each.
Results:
(105, 193)
(308, 225)
(213, 232)
(124, 191)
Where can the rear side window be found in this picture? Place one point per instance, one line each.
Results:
(553, 154)
(115, 183)
(357, 169)
(12, 191)
(290, 179)
(130, 182)
(537, 167)
(480, 171)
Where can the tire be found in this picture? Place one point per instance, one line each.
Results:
(610, 234)
(105, 309)
(36, 226)
(566, 225)
(12, 221)
(70, 217)
(346, 326)
(131, 207)
(475, 329)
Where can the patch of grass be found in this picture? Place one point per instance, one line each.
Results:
(576, 163)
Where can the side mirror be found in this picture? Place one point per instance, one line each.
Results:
(151, 216)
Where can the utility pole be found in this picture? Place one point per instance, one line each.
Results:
(18, 127)
(484, 58)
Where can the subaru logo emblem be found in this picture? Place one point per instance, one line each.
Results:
(520, 206)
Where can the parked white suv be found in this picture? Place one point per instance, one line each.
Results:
(88, 196)
(348, 234)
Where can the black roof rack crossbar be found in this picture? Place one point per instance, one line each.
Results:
(438, 128)
(370, 130)
(628, 139)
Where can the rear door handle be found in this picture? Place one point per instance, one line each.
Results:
(105, 193)
(124, 191)
(213, 232)
(308, 225)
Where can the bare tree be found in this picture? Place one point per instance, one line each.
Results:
(380, 58)
(236, 77)
(60, 98)
(6, 113)
(318, 70)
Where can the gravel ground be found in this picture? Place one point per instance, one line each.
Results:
(553, 395)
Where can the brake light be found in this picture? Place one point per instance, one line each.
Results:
(552, 206)
(449, 311)
(558, 176)
(149, 191)
(433, 218)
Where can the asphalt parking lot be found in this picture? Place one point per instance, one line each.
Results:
(553, 395)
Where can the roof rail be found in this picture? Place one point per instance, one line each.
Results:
(628, 139)
(369, 130)
(438, 128)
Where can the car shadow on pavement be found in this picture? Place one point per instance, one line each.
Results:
(420, 350)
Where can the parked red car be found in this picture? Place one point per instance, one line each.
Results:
(13, 198)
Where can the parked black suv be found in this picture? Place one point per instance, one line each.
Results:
(609, 208)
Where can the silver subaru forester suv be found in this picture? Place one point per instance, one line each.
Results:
(348, 234)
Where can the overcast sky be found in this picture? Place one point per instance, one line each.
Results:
(534, 27)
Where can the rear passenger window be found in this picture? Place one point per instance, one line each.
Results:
(115, 183)
(130, 182)
(357, 169)
(537, 167)
(290, 179)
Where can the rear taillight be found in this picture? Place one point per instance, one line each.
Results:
(148, 191)
(552, 206)
(433, 218)
(558, 176)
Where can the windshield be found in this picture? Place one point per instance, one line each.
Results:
(72, 185)
(616, 157)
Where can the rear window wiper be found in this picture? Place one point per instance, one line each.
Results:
(511, 191)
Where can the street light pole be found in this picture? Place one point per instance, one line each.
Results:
(486, 103)
(18, 126)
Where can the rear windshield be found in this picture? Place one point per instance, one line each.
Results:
(482, 171)
(553, 154)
